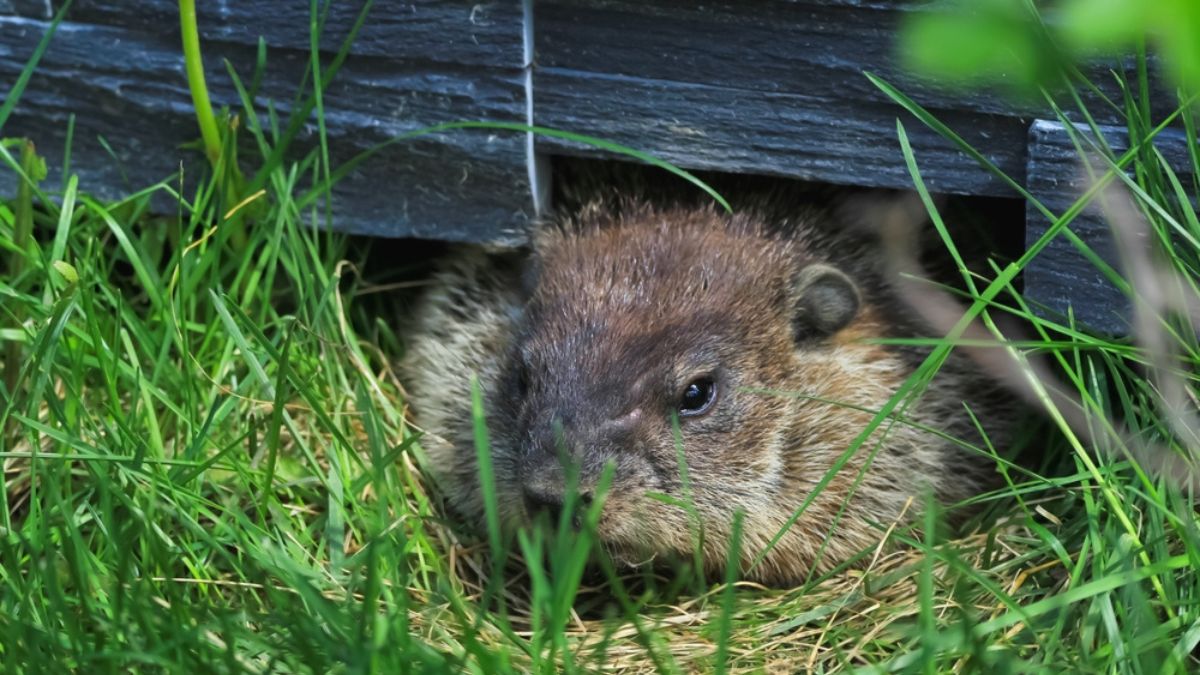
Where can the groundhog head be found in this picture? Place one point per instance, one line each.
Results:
(715, 367)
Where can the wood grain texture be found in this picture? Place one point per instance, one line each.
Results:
(809, 47)
(484, 33)
(455, 186)
(750, 131)
(1061, 277)
(818, 49)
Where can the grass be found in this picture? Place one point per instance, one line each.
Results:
(207, 468)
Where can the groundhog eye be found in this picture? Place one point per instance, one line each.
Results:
(698, 397)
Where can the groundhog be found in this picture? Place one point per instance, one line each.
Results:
(716, 363)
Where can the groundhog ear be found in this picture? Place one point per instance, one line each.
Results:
(826, 301)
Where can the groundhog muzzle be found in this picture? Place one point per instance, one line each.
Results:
(744, 346)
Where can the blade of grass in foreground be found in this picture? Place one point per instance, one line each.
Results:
(733, 565)
(487, 481)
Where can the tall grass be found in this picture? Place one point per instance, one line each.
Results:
(207, 468)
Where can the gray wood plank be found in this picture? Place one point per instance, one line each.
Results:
(442, 31)
(814, 48)
(1061, 277)
(128, 87)
(748, 131)
(809, 47)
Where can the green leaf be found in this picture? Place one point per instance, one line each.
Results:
(67, 271)
(1103, 24)
(982, 41)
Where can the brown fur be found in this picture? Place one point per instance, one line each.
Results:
(621, 309)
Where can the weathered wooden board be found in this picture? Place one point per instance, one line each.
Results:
(485, 33)
(783, 134)
(455, 186)
(815, 47)
(776, 90)
(816, 52)
(1062, 277)
(818, 49)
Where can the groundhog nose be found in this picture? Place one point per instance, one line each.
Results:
(543, 498)
(550, 499)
